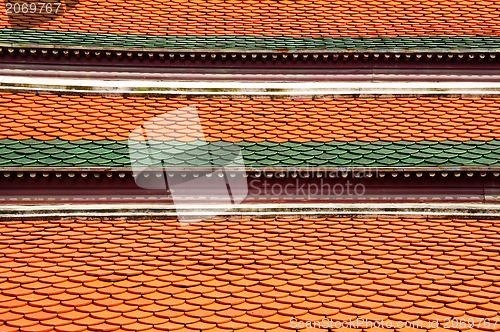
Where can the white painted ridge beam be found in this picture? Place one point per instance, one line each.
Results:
(296, 209)
(242, 88)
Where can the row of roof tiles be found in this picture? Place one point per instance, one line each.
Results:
(31, 37)
(267, 18)
(246, 275)
(47, 117)
(80, 153)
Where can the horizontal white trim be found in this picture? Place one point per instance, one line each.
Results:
(288, 88)
(270, 169)
(296, 209)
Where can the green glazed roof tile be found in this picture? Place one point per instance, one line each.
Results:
(494, 143)
(45, 37)
(12, 155)
(27, 150)
(341, 162)
(387, 161)
(74, 151)
(436, 161)
(113, 153)
(447, 155)
(486, 161)
(413, 161)
(49, 161)
(462, 161)
(282, 158)
(470, 155)
(366, 161)
(76, 161)
(373, 156)
(101, 161)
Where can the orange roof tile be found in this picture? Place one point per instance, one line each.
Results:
(231, 120)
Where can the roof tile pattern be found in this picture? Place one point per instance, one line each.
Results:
(47, 117)
(304, 18)
(61, 39)
(60, 153)
(247, 275)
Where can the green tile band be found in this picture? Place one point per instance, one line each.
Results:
(44, 37)
(87, 153)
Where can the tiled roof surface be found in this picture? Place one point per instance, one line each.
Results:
(305, 18)
(51, 130)
(45, 117)
(247, 275)
(57, 152)
(353, 23)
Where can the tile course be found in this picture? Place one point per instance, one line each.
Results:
(46, 117)
(89, 40)
(244, 274)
